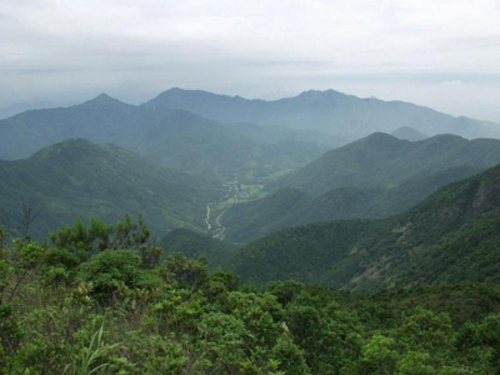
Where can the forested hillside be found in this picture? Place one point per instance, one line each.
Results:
(451, 236)
(411, 294)
(76, 179)
(290, 207)
(374, 177)
(331, 220)
(381, 159)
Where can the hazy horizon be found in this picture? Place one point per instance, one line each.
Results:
(443, 56)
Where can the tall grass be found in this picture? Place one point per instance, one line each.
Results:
(87, 361)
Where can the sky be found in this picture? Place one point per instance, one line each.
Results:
(444, 54)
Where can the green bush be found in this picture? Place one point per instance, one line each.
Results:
(111, 271)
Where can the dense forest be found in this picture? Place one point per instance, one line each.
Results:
(101, 299)
(450, 237)
(184, 190)
(262, 253)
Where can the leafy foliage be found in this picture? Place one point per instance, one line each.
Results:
(99, 236)
(111, 313)
(193, 245)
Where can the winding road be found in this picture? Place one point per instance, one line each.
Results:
(219, 228)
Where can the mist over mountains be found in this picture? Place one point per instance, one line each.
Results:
(164, 230)
(213, 140)
(330, 116)
(172, 137)
(336, 213)
(330, 111)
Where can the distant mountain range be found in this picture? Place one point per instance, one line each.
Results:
(226, 138)
(76, 179)
(18, 108)
(185, 144)
(450, 237)
(171, 137)
(330, 112)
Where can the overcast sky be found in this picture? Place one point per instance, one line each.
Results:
(441, 53)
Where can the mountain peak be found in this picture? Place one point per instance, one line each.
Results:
(102, 100)
(379, 137)
(70, 145)
(176, 89)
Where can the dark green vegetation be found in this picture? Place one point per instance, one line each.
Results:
(193, 245)
(450, 237)
(381, 159)
(328, 111)
(170, 137)
(416, 292)
(76, 179)
(374, 177)
(290, 207)
(84, 306)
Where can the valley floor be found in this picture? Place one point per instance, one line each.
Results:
(237, 193)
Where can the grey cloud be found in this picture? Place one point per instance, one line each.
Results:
(54, 50)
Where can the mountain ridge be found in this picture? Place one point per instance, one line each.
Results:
(383, 159)
(446, 238)
(78, 179)
(290, 207)
(174, 138)
(329, 111)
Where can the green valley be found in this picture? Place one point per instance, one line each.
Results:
(451, 236)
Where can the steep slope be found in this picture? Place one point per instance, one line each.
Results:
(77, 179)
(175, 138)
(451, 236)
(381, 159)
(289, 207)
(328, 111)
(251, 220)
